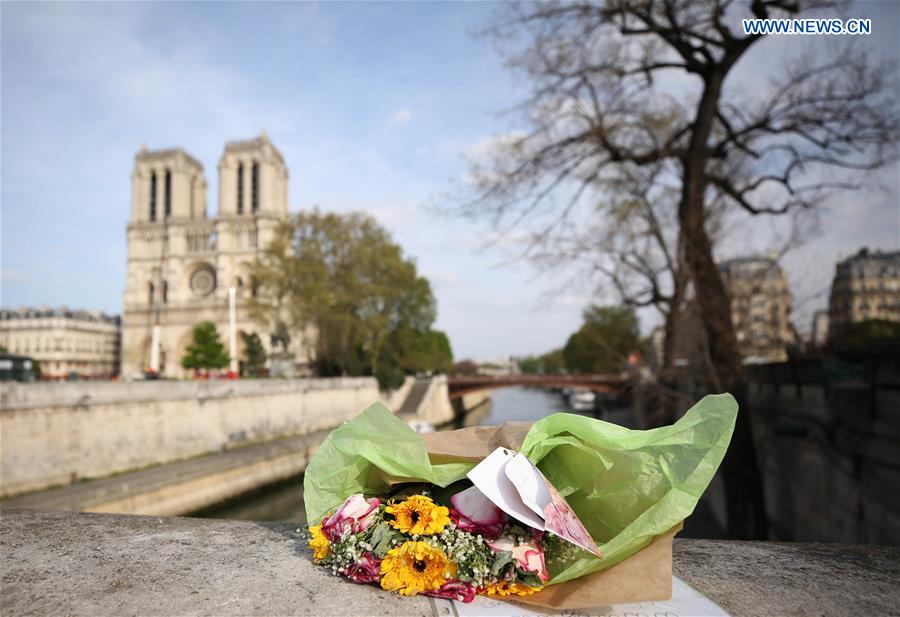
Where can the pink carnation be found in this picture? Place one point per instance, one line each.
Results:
(354, 516)
(366, 570)
(475, 513)
(454, 590)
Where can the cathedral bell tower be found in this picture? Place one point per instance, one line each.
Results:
(183, 264)
(167, 185)
(168, 196)
(253, 180)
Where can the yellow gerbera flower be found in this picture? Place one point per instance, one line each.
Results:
(418, 515)
(318, 543)
(414, 567)
(505, 588)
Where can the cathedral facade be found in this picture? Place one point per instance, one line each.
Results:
(181, 263)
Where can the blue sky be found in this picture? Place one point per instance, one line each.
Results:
(373, 106)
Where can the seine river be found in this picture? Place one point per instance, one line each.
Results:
(284, 501)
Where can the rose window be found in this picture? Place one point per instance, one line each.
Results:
(203, 281)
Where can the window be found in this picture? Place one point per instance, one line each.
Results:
(240, 189)
(149, 293)
(165, 292)
(153, 196)
(254, 187)
(168, 193)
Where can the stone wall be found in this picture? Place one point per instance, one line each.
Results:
(435, 406)
(59, 433)
(827, 434)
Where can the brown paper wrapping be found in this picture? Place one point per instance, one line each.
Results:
(643, 577)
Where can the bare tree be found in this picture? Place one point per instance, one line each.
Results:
(633, 246)
(627, 85)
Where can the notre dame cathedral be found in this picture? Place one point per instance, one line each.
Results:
(181, 263)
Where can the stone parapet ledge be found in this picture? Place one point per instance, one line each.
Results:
(100, 564)
(82, 394)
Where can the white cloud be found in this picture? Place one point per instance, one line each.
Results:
(399, 118)
(441, 277)
(14, 276)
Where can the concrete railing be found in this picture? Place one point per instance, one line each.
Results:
(98, 564)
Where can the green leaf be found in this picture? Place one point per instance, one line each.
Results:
(527, 578)
(502, 561)
(383, 536)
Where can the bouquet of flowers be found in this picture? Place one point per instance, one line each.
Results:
(570, 512)
(412, 545)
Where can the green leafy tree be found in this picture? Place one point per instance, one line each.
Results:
(343, 275)
(548, 363)
(206, 350)
(423, 352)
(552, 362)
(254, 353)
(529, 364)
(603, 343)
(442, 352)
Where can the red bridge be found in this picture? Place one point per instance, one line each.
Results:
(459, 385)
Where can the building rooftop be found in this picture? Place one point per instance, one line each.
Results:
(750, 265)
(866, 254)
(870, 264)
(41, 312)
(256, 143)
(166, 153)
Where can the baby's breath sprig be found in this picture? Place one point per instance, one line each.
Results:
(469, 551)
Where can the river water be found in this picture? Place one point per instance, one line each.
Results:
(284, 501)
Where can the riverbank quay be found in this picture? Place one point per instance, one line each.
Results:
(181, 447)
(185, 486)
(57, 434)
(72, 563)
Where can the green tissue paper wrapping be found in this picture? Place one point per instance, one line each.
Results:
(626, 486)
